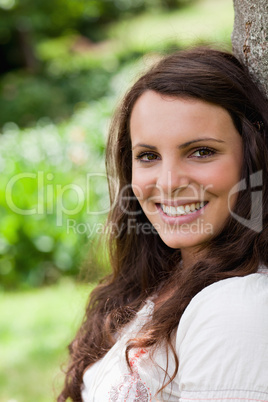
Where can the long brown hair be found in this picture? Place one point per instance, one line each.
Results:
(141, 263)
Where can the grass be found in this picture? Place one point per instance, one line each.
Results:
(35, 328)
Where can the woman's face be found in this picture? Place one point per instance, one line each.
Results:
(187, 156)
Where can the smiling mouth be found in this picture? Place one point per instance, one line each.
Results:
(182, 210)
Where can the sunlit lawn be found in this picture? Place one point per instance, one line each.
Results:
(35, 327)
(203, 21)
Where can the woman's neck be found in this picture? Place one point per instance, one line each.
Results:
(190, 256)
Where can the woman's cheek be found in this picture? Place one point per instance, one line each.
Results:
(142, 185)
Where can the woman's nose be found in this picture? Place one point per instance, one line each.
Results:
(171, 178)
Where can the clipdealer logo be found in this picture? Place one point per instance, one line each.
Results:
(255, 222)
(51, 198)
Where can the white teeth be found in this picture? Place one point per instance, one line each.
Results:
(182, 209)
(192, 207)
(173, 210)
(187, 208)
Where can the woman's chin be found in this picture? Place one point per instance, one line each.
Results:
(179, 240)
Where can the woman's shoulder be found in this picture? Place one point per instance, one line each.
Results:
(234, 289)
(222, 338)
(233, 302)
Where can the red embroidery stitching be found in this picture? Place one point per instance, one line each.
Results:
(130, 386)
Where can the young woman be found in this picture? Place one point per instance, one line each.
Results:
(184, 315)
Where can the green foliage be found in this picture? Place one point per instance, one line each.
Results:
(52, 18)
(53, 196)
(27, 98)
(74, 69)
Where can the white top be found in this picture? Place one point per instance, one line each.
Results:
(221, 343)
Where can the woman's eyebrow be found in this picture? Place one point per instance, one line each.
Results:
(186, 144)
(144, 146)
(182, 146)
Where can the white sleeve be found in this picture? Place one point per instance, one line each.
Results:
(222, 342)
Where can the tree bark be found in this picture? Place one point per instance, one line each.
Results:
(250, 38)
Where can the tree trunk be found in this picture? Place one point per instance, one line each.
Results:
(250, 38)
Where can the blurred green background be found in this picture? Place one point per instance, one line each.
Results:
(64, 66)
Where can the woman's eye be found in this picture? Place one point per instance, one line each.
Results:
(203, 153)
(147, 157)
